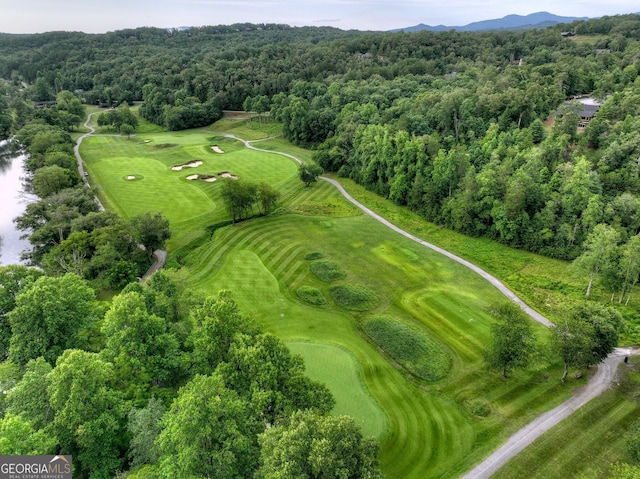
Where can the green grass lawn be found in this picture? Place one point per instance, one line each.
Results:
(588, 442)
(190, 206)
(427, 428)
(337, 368)
(547, 284)
(432, 430)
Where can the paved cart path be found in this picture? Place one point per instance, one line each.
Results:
(599, 383)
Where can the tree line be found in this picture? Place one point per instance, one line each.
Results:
(466, 129)
(584, 336)
(161, 383)
(66, 229)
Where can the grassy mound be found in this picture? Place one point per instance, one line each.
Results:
(353, 297)
(326, 271)
(164, 146)
(335, 207)
(311, 295)
(415, 350)
(478, 407)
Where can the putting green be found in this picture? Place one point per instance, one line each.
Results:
(341, 373)
(430, 433)
(425, 429)
(156, 191)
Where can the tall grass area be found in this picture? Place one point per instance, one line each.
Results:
(417, 352)
(547, 284)
(433, 428)
(430, 425)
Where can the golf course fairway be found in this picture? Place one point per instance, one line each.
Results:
(426, 429)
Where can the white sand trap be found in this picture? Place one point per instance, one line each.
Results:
(217, 149)
(210, 180)
(147, 141)
(192, 177)
(193, 164)
(228, 175)
(131, 177)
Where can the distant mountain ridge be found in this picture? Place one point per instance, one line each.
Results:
(510, 22)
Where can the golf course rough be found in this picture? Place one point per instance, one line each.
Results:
(311, 295)
(415, 350)
(428, 430)
(353, 297)
(327, 271)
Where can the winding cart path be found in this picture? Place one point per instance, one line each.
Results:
(76, 150)
(160, 255)
(599, 383)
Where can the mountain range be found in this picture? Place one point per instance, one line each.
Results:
(510, 22)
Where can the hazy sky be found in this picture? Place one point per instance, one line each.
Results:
(96, 16)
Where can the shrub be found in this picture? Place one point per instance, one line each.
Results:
(353, 297)
(326, 271)
(413, 349)
(478, 407)
(311, 295)
(313, 255)
(163, 146)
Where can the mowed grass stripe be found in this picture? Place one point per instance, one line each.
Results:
(436, 311)
(274, 245)
(229, 239)
(261, 299)
(442, 440)
(319, 192)
(295, 273)
(338, 368)
(429, 433)
(560, 452)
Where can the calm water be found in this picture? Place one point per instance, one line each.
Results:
(13, 202)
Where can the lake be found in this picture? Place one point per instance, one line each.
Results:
(13, 202)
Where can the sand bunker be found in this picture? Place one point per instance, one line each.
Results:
(131, 177)
(217, 149)
(226, 174)
(193, 164)
(208, 178)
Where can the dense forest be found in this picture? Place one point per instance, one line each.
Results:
(457, 126)
(477, 132)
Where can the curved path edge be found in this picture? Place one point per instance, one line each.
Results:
(489, 277)
(76, 150)
(160, 255)
(597, 384)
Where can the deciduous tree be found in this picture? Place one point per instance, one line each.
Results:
(207, 432)
(600, 247)
(512, 340)
(314, 446)
(13, 279)
(30, 397)
(90, 415)
(309, 174)
(145, 356)
(50, 316)
(144, 426)
(264, 372)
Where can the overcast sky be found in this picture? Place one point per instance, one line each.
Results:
(98, 16)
